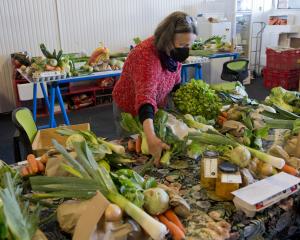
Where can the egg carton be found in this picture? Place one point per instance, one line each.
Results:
(46, 76)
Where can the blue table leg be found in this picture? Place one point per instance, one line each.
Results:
(185, 74)
(34, 100)
(198, 72)
(182, 76)
(45, 95)
(62, 105)
(52, 102)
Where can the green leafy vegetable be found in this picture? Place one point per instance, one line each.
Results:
(197, 98)
(131, 185)
(287, 100)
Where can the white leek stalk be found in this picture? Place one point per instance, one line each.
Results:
(117, 148)
(274, 161)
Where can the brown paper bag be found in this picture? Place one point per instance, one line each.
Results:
(54, 168)
(90, 219)
(68, 214)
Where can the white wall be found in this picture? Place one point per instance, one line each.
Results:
(79, 25)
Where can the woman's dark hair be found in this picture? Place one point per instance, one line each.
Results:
(176, 22)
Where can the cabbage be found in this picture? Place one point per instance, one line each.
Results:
(74, 138)
(156, 201)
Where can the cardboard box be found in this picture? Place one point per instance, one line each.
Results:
(43, 139)
(264, 193)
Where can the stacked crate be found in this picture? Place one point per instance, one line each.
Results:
(282, 68)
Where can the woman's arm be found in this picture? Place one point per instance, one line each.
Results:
(155, 145)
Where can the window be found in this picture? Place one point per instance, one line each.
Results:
(288, 4)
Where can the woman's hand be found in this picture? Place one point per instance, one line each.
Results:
(155, 144)
(156, 147)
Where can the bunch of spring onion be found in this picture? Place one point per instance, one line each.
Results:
(177, 146)
(89, 178)
(132, 125)
(215, 139)
(17, 220)
(101, 149)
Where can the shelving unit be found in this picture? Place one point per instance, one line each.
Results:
(99, 95)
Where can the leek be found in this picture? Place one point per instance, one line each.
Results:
(22, 223)
(165, 159)
(94, 179)
(132, 125)
(119, 149)
(191, 122)
(279, 123)
(274, 161)
(214, 139)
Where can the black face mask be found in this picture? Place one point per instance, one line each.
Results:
(180, 54)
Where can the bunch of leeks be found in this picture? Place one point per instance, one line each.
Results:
(17, 220)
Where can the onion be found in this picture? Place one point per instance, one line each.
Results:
(156, 201)
(266, 169)
(240, 156)
(113, 213)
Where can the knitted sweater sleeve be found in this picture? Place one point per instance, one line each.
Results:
(146, 79)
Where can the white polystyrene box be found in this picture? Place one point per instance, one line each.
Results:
(26, 91)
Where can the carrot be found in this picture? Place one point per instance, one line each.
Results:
(41, 166)
(49, 68)
(224, 114)
(222, 118)
(58, 68)
(44, 158)
(131, 145)
(24, 171)
(290, 170)
(175, 231)
(171, 216)
(32, 163)
(29, 169)
(138, 144)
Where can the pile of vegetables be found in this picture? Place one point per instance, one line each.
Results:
(55, 61)
(284, 99)
(211, 45)
(103, 151)
(197, 98)
(88, 178)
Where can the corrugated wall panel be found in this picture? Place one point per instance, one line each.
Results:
(23, 25)
(84, 23)
(79, 25)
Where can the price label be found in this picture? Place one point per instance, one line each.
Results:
(210, 167)
(231, 178)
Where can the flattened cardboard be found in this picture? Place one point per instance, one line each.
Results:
(88, 221)
(43, 139)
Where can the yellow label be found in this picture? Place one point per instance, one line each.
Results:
(231, 178)
(210, 167)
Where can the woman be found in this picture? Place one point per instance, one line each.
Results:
(151, 71)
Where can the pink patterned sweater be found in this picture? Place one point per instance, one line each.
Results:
(143, 80)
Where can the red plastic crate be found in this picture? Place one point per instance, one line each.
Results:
(286, 79)
(283, 60)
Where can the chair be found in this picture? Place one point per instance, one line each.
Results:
(26, 131)
(235, 70)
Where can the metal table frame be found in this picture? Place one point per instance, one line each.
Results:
(198, 66)
(54, 89)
